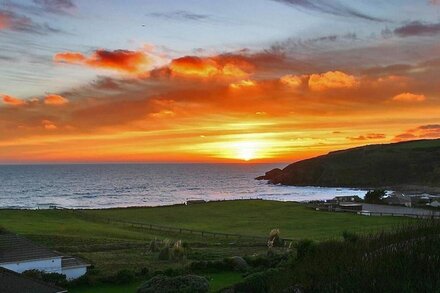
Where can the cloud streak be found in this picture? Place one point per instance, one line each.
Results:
(329, 7)
(180, 15)
(417, 28)
(20, 23)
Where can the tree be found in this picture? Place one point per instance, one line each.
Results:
(375, 196)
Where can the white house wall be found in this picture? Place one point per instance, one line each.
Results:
(52, 265)
(73, 273)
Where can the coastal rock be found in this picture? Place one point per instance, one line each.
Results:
(271, 175)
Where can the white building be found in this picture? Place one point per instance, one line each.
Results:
(19, 254)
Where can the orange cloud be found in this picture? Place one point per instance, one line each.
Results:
(409, 97)
(9, 100)
(332, 80)
(202, 67)
(370, 136)
(70, 57)
(421, 132)
(55, 100)
(245, 83)
(4, 21)
(131, 62)
(48, 125)
(290, 80)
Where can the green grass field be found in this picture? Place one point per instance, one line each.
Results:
(111, 247)
(253, 217)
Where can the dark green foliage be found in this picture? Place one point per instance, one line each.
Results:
(164, 253)
(375, 196)
(124, 277)
(237, 263)
(405, 163)
(257, 261)
(271, 280)
(121, 277)
(406, 260)
(154, 246)
(304, 247)
(51, 278)
(180, 284)
(349, 236)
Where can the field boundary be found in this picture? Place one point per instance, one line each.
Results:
(162, 228)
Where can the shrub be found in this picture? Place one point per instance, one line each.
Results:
(124, 277)
(183, 284)
(350, 236)
(257, 261)
(121, 277)
(304, 247)
(237, 263)
(375, 196)
(52, 278)
(271, 280)
(154, 247)
(164, 253)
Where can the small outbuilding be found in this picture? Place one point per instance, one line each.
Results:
(19, 254)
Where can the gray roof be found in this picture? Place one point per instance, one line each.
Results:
(14, 248)
(12, 282)
(72, 262)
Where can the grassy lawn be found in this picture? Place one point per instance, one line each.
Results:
(222, 280)
(254, 217)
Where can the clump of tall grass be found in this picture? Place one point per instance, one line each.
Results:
(173, 250)
(274, 239)
(154, 245)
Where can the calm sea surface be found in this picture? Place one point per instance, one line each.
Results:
(123, 185)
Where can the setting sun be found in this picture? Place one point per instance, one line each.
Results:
(246, 151)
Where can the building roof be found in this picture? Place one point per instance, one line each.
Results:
(14, 248)
(71, 262)
(12, 282)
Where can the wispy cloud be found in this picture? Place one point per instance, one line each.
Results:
(330, 7)
(180, 15)
(56, 6)
(417, 28)
(20, 23)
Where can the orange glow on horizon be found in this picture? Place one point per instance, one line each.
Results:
(224, 108)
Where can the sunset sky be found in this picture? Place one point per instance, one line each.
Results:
(214, 81)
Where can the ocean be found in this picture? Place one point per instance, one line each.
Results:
(123, 185)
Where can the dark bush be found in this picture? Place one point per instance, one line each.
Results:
(349, 236)
(375, 196)
(271, 280)
(182, 284)
(124, 277)
(121, 277)
(198, 265)
(51, 278)
(237, 263)
(304, 247)
(257, 261)
(164, 253)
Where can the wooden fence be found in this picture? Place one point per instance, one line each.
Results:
(169, 229)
